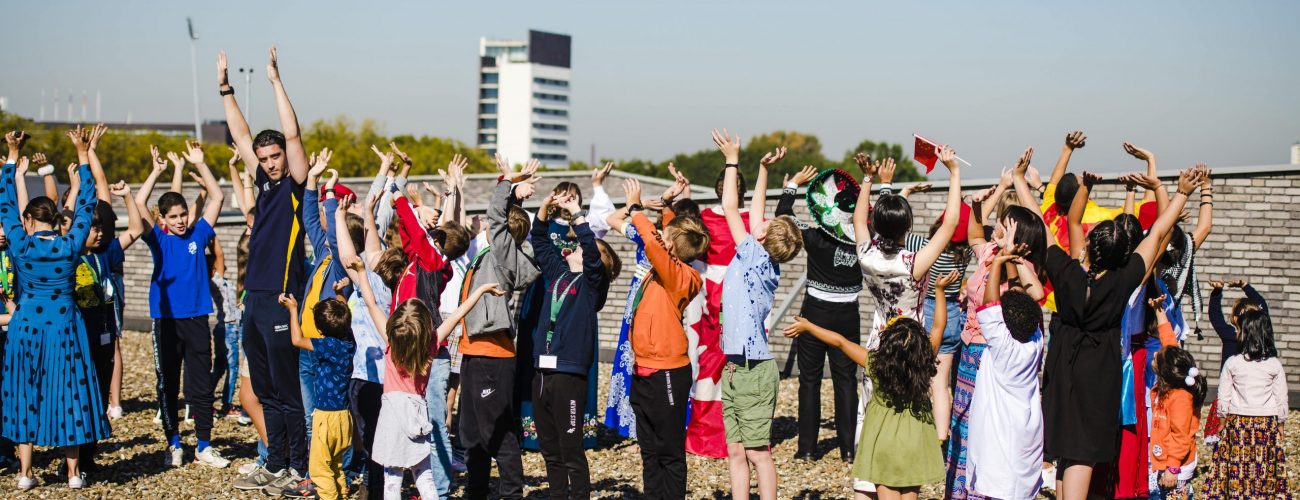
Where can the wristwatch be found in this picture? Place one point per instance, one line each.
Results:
(580, 213)
(635, 207)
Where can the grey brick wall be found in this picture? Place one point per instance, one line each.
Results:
(1254, 238)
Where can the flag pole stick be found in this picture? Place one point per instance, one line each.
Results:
(918, 136)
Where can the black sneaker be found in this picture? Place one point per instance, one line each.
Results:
(304, 489)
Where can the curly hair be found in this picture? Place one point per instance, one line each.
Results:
(1173, 365)
(902, 367)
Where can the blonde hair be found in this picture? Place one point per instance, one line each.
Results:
(690, 241)
(784, 240)
(410, 335)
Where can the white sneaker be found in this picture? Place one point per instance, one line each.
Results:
(247, 468)
(157, 416)
(77, 482)
(26, 483)
(211, 458)
(1049, 478)
(174, 457)
(243, 419)
(186, 417)
(114, 412)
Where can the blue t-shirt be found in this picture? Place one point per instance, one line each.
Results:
(333, 369)
(96, 291)
(277, 232)
(179, 287)
(748, 290)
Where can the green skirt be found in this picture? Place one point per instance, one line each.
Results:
(898, 449)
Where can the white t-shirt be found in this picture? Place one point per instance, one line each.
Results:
(1005, 443)
(450, 298)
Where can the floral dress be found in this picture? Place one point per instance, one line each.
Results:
(618, 408)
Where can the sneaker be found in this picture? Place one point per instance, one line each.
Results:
(285, 479)
(211, 458)
(1049, 478)
(114, 412)
(77, 482)
(233, 412)
(304, 489)
(26, 483)
(174, 457)
(186, 417)
(257, 479)
(248, 468)
(157, 416)
(243, 419)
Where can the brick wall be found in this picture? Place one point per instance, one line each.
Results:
(1256, 217)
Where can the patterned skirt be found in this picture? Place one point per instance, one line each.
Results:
(967, 368)
(1249, 461)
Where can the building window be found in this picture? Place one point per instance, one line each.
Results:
(487, 93)
(489, 78)
(550, 97)
(487, 109)
(550, 157)
(548, 81)
(548, 112)
(487, 138)
(487, 123)
(551, 142)
(551, 126)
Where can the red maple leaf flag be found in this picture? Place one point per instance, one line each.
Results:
(926, 152)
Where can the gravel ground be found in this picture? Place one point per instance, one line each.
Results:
(131, 461)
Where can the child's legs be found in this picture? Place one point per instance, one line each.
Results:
(233, 344)
(330, 439)
(563, 397)
(645, 395)
(115, 386)
(393, 483)
(307, 387)
(1073, 479)
(196, 340)
(435, 398)
(548, 433)
(765, 468)
(887, 493)
(738, 466)
(424, 480)
(248, 400)
(167, 364)
(364, 400)
(749, 402)
(672, 449)
(940, 392)
(220, 353)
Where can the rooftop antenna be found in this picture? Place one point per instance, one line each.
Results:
(97, 105)
(56, 104)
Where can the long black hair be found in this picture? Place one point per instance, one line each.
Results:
(1108, 248)
(891, 219)
(1173, 368)
(902, 367)
(1256, 335)
(1029, 232)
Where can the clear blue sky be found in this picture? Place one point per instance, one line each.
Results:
(1191, 80)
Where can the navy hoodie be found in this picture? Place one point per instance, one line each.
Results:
(574, 340)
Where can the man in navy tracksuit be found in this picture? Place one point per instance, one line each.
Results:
(565, 343)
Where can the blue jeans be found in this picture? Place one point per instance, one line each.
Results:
(435, 396)
(307, 377)
(261, 452)
(952, 329)
(229, 337)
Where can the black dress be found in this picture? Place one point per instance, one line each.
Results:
(1081, 376)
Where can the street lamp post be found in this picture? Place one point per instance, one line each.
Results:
(194, 70)
(248, 104)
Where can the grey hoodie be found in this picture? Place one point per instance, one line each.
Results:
(506, 263)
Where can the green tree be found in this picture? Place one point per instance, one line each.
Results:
(905, 170)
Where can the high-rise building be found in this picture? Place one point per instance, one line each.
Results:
(1295, 153)
(524, 98)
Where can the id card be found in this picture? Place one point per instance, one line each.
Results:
(105, 339)
(547, 361)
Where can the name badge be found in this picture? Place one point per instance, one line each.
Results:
(547, 361)
(105, 338)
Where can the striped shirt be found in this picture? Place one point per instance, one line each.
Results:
(946, 263)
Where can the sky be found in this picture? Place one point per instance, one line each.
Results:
(1190, 80)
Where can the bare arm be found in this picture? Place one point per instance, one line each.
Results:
(239, 131)
(940, 310)
(20, 177)
(758, 205)
(295, 153)
(134, 224)
(1075, 216)
(52, 186)
(1148, 249)
(861, 212)
(295, 329)
(931, 251)
(1073, 140)
(97, 169)
(357, 273)
(453, 320)
(237, 183)
(216, 197)
(146, 188)
(1205, 217)
(853, 350)
(730, 148)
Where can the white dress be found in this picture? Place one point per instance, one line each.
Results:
(1005, 450)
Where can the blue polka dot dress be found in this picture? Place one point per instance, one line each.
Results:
(49, 395)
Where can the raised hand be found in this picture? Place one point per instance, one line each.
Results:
(272, 66)
(655, 204)
(385, 159)
(234, 157)
(39, 160)
(319, 162)
(176, 160)
(223, 70)
(341, 284)
(525, 190)
(803, 177)
(354, 263)
(942, 282)
(730, 147)
(96, 133)
(1141, 180)
(1022, 163)
(1205, 169)
(198, 179)
(598, 175)
(1075, 140)
(1089, 179)
(288, 302)
(401, 155)
(490, 288)
(887, 171)
(864, 163)
(1216, 284)
(1189, 179)
(1137, 152)
(80, 139)
(771, 158)
(1032, 177)
(194, 152)
(948, 157)
(879, 166)
(120, 189)
(20, 169)
(632, 190)
(569, 203)
(1237, 284)
(15, 140)
(980, 196)
(923, 187)
(1157, 303)
(159, 164)
(333, 177)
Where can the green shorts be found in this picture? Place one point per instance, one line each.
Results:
(749, 402)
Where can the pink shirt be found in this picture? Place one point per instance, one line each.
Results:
(975, 286)
(396, 380)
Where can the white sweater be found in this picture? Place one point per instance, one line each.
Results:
(1253, 388)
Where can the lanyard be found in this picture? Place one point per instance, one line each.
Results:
(557, 302)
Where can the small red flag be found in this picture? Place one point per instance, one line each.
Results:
(926, 153)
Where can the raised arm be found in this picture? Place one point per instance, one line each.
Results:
(235, 121)
(216, 197)
(20, 175)
(1251, 294)
(74, 186)
(1205, 217)
(85, 207)
(862, 212)
(453, 320)
(1073, 140)
(346, 249)
(146, 188)
(178, 170)
(853, 350)
(1149, 248)
(548, 257)
(357, 273)
(942, 236)
(49, 182)
(295, 154)
(311, 203)
(97, 169)
(730, 148)
(134, 224)
(295, 329)
(244, 202)
(758, 202)
(600, 206)
(13, 222)
(941, 309)
(1075, 216)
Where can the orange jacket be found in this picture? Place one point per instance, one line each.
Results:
(658, 338)
(1174, 421)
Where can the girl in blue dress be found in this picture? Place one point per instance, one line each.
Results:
(49, 396)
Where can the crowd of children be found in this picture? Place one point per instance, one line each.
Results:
(400, 348)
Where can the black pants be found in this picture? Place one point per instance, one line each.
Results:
(489, 426)
(363, 401)
(842, 318)
(102, 357)
(659, 402)
(558, 403)
(273, 370)
(188, 340)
